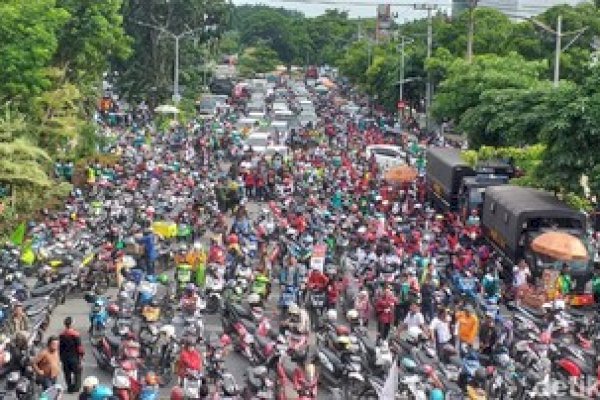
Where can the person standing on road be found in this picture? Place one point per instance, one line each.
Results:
(385, 313)
(47, 364)
(18, 321)
(71, 354)
(150, 254)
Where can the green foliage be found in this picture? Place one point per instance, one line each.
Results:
(91, 37)
(150, 67)
(258, 59)
(465, 83)
(29, 40)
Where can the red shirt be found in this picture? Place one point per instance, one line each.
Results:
(317, 280)
(385, 309)
(189, 360)
(332, 293)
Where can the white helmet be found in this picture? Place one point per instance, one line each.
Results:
(293, 309)
(90, 382)
(352, 315)
(331, 315)
(168, 331)
(253, 298)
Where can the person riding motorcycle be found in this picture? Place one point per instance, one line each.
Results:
(297, 320)
(89, 384)
(190, 359)
(190, 295)
(317, 280)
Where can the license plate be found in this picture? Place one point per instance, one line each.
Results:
(264, 394)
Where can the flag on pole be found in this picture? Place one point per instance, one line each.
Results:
(390, 387)
(18, 234)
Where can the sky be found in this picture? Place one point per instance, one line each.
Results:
(356, 8)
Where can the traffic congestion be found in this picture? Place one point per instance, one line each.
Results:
(289, 242)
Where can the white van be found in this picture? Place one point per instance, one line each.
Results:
(387, 155)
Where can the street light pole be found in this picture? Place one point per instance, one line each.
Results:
(472, 5)
(176, 96)
(177, 38)
(404, 40)
(428, 88)
(557, 51)
(559, 47)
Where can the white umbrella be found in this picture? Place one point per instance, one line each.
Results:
(166, 109)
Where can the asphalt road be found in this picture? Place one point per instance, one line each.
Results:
(78, 309)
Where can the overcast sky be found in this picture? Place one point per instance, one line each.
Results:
(312, 7)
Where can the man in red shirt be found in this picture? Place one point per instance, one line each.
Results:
(189, 359)
(384, 307)
(317, 280)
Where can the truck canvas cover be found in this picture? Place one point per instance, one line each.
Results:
(506, 208)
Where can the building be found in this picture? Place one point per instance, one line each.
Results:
(516, 9)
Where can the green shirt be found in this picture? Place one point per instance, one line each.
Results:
(596, 285)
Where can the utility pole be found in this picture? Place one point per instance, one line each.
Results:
(472, 5)
(559, 47)
(557, 50)
(428, 89)
(177, 38)
(404, 40)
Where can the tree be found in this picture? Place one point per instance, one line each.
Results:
(259, 59)
(91, 38)
(150, 68)
(29, 40)
(465, 83)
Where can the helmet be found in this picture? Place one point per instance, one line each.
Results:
(332, 315)
(293, 309)
(232, 239)
(343, 342)
(408, 364)
(427, 369)
(190, 288)
(177, 393)
(352, 315)
(151, 379)
(90, 382)
(545, 337)
(253, 298)
(113, 309)
(167, 330)
(436, 394)
(163, 278)
(480, 375)
(101, 392)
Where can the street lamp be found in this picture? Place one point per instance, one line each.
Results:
(404, 40)
(176, 37)
(559, 47)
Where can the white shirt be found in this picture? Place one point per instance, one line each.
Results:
(441, 329)
(415, 320)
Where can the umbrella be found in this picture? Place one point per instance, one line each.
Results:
(400, 174)
(561, 246)
(166, 109)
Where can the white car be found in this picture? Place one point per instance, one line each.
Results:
(387, 155)
(258, 141)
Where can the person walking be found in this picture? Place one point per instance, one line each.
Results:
(71, 354)
(47, 364)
